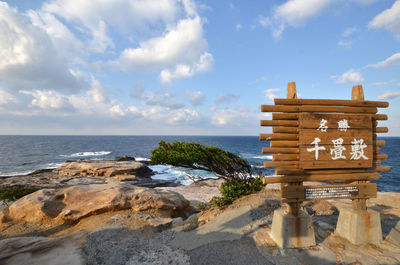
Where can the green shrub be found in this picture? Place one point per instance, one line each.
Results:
(8, 194)
(232, 190)
(202, 206)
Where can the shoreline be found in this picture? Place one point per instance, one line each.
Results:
(95, 172)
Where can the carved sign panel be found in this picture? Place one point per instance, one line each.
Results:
(335, 141)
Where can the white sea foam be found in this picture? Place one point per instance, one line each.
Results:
(85, 154)
(255, 156)
(178, 174)
(167, 172)
(142, 159)
(53, 165)
(269, 157)
(16, 173)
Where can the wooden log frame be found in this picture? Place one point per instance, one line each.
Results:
(284, 141)
(293, 194)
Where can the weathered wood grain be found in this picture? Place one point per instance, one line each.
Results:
(280, 150)
(278, 136)
(285, 108)
(330, 177)
(279, 123)
(331, 102)
(277, 143)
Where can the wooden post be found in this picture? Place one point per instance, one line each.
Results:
(292, 207)
(291, 91)
(357, 93)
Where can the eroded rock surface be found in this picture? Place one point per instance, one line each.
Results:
(107, 168)
(64, 250)
(73, 203)
(89, 172)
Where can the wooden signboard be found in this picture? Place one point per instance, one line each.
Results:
(325, 140)
(335, 141)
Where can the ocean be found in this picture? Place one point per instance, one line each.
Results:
(21, 155)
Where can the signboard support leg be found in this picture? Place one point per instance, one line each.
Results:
(292, 228)
(293, 207)
(359, 225)
(357, 93)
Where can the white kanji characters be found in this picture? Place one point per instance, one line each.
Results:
(337, 150)
(316, 148)
(343, 125)
(322, 126)
(357, 149)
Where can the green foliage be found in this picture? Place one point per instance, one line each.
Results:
(193, 155)
(232, 190)
(203, 206)
(235, 170)
(14, 193)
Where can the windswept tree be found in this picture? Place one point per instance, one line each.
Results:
(235, 170)
(223, 164)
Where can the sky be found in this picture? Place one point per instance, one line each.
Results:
(188, 67)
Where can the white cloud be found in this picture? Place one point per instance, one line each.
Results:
(234, 117)
(46, 99)
(388, 19)
(185, 115)
(271, 93)
(163, 98)
(292, 13)
(98, 92)
(174, 116)
(60, 35)
(95, 16)
(351, 76)
(196, 98)
(238, 27)
(346, 44)
(29, 59)
(120, 111)
(6, 98)
(182, 70)
(391, 61)
(389, 95)
(157, 113)
(348, 32)
(116, 111)
(225, 116)
(182, 43)
(180, 51)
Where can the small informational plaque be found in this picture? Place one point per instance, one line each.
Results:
(335, 141)
(330, 192)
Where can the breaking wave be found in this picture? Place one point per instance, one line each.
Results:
(85, 154)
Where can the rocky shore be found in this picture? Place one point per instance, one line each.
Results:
(84, 172)
(96, 217)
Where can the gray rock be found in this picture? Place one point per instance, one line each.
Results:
(123, 246)
(64, 250)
